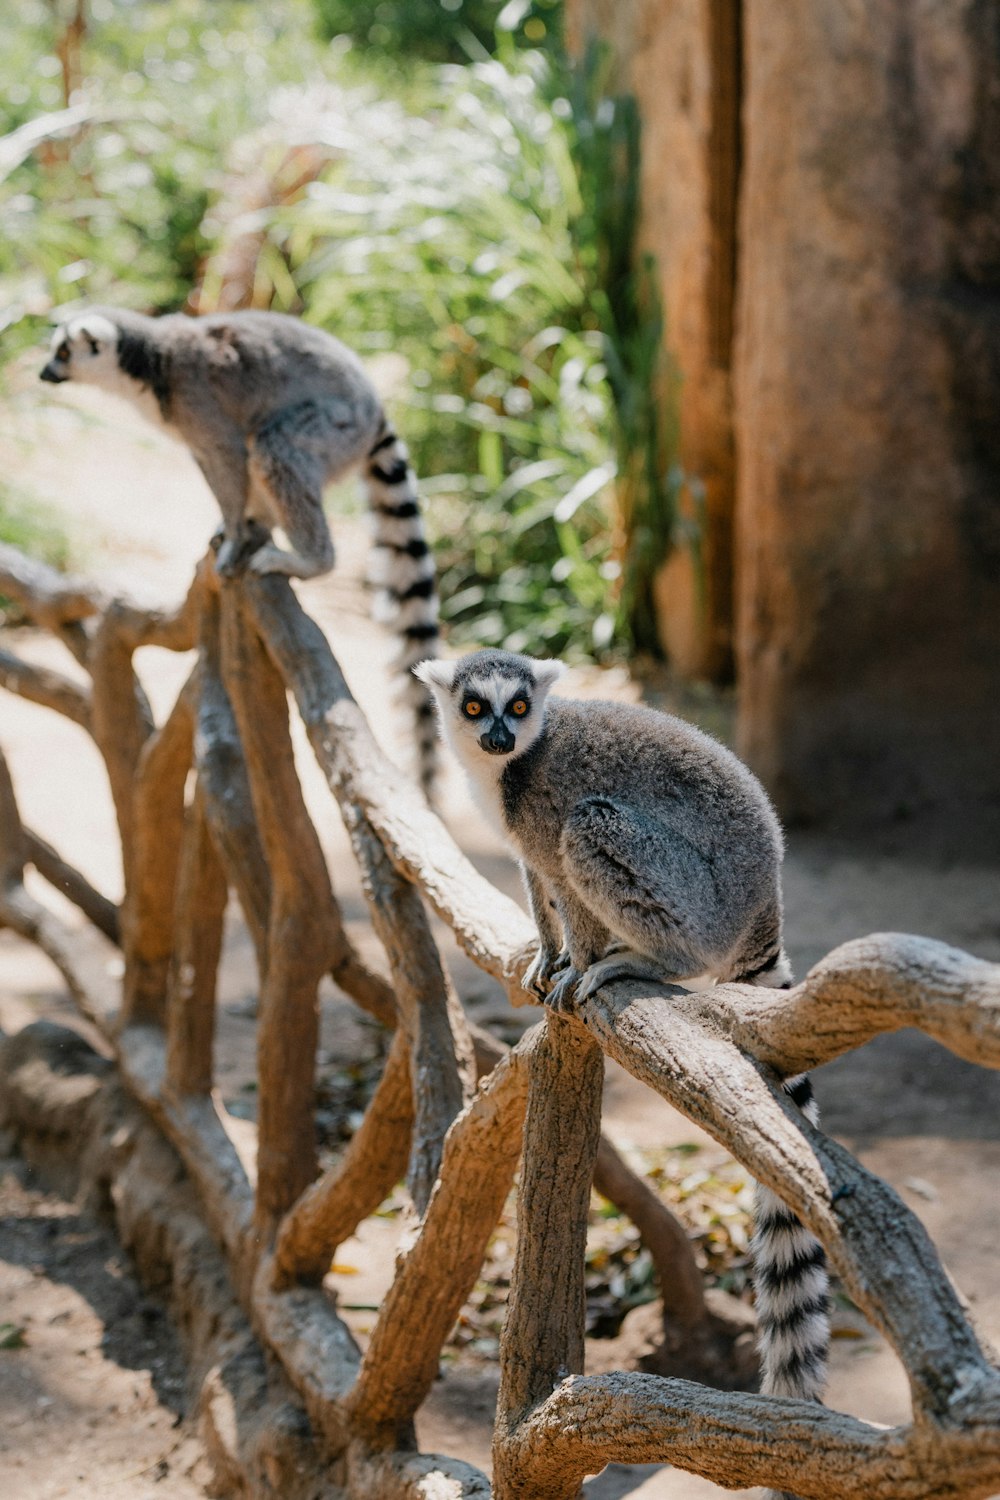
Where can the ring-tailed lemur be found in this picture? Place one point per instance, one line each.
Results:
(648, 851)
(272, 410)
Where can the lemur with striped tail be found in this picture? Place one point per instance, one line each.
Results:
(648, 851)
(272, 410)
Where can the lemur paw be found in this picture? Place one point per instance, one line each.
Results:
(232, 554)
(563, 995)
(539, 974)
(623, 965)
(272, 559)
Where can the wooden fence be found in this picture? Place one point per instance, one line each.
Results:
(240, 823)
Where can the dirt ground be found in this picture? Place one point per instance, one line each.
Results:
(92, 1388)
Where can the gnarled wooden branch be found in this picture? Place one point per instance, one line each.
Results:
(197, 1127)
(376, 1157)
(156, 819)
(48, 597)
(862, 989)
(13, 845)
(82, 959)
(663, 1235)
(542, 1339)
(174, 628)
(121, 723)
(742, 1440)
(879, 1247)
(222, 769)
(44, 686)
(222, 776)
(491, 928)
(199, 913)
(552, 1429)
(439, 1269)
(301, 926)
(441, 1062)
(97, 908)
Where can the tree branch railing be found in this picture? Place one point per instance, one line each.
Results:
(207, 803)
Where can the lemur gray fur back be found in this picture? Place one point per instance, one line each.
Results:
(650, 851)
(272, 410)
(660, 834)
(653, 844)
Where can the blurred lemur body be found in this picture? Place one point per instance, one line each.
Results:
(272, 410)
(648, 851)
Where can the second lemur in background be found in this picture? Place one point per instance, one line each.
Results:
(272, 410)
(648, 851)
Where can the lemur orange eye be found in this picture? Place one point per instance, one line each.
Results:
(473, 708)
(519, 707)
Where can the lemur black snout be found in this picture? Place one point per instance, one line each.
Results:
(49, 372)
(498, 740)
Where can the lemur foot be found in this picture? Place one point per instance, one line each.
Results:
(272, 559)
(625, 964)
(563, 995)
(232, 554)
(539, 974)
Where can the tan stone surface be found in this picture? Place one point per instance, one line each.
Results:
(868, 550)
(865, 383)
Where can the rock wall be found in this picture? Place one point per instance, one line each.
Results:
(868, 406)
(866, 381)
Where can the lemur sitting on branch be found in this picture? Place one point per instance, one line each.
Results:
(648, 851)
(272, 410)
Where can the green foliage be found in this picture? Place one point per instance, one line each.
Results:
(436, 30)
(36, 529)
(33, 527)
(445, 236)
(12, 1336)
(440, 30)
(114, 210)
(443, 232)
(607, 149)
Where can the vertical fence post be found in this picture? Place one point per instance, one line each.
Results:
(543, 1336)
(201, 906)
(225, 786)
(157, 826)
(302, 921)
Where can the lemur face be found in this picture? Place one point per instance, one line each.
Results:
(490, 703)
(83, 348)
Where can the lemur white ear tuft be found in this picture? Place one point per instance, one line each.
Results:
(435, 673)
(548, 671)
(96, 329)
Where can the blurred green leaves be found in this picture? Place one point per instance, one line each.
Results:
(441, 231)
(440, 30)
(113, 210)
(443, 234)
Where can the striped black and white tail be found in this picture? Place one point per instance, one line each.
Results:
(793, 1321)
(403, 571)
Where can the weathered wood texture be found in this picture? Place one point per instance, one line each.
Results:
(543, 1334)
(239, 823)
(200, 911)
